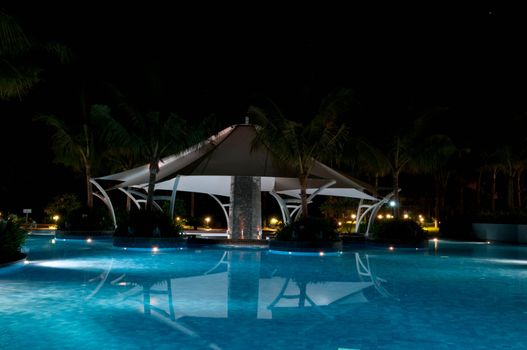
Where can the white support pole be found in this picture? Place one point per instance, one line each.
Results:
(376, 207)
(357, 216)
(222, 208)
(154, 203)
(129, 195)
(283, 207)
(107, 201)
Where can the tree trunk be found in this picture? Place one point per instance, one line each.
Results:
(478, 189)
(89, 188)
(151, 185)
(437, 209)
(396, 209)
(303, 195)
(519, 188)
(192, 201)
(493, 190)
(128, 202)
(510, 191)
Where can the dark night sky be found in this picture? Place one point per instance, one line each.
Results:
(399, 60)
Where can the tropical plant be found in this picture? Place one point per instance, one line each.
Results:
(12, 237)
(63, 205)
(145, 223)
(389, 155)
(79, 146)
(302, 144)
(398, 231)
(436, 157)
(82, 219)
(337, 208)
(151, 135)
(308, 229)
(147, 136)
(18, 71)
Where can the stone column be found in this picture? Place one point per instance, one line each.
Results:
(245, 214)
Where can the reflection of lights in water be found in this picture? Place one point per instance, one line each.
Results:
(436, 243)
(508, 261)
(314, 253)
(68, 264)
(123, 283)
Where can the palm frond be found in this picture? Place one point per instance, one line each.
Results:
(13, 40)
(62, 52)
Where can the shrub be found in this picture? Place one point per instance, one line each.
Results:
(502, 217)
(399, 231)
(193, 222)
(97, 218)
(12, 237)
(143, 223)
(308, 229)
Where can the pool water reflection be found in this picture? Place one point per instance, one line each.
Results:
(80, 295)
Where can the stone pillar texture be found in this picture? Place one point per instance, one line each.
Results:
(245, 214)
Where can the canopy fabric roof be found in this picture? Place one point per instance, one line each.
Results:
(208, 166)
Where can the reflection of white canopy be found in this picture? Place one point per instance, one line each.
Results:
(208, 167)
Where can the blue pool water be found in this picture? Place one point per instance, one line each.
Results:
(78, 295)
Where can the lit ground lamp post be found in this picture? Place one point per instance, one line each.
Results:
(55, 220)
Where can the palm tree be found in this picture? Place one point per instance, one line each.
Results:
(150, 135)
(76, 146)
(435, 156)
(391, 157)
(300, 145)
(367, 159)
(18, 74)
(510, 161)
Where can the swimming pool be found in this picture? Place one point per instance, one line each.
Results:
(79, 295)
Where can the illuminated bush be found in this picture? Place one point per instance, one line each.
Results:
(12, 237)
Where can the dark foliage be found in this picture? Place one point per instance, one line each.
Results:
(502, 217)
(309, 229)
(88, 219)
(193, 221)
(144, 223)
(456, 227)
(12, 237)
(399, 232)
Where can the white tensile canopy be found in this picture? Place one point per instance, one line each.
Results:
(209, 167)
